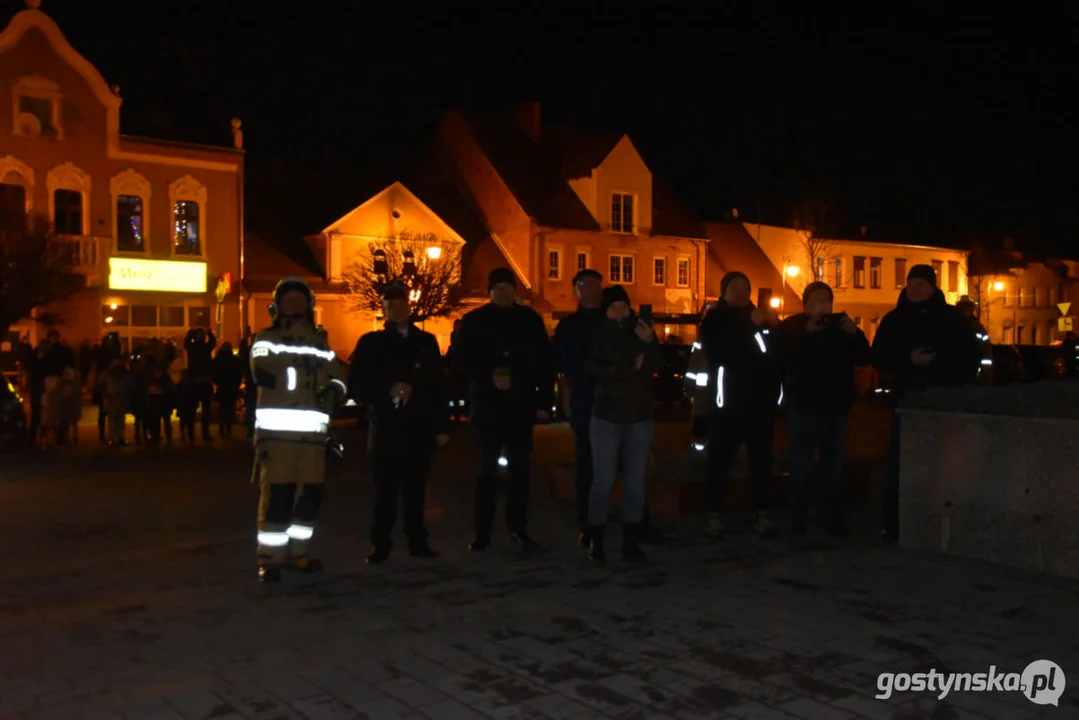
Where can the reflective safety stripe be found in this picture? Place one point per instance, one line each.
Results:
(987, 361)
(264, 347)
(719, 387)
(301, 532)
(702, 379)
(503, 462)
(291, 420)
(273, 539)
(760, 342)
(292, 378)
(340, 384)
(780, 402)
(696, 346)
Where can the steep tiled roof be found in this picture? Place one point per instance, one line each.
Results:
(532, 172)
(670, 217)
(732, 248)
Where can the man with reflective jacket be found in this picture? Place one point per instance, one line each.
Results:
(743, 383)
(299, 382)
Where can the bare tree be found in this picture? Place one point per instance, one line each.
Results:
(815, 224)
(429, 265)
(35, 269)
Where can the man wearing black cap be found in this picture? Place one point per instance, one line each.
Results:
(743, 381)
(504, 350)
(924, 342)
(398, 374)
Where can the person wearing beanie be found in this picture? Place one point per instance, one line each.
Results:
(742, 381)
(397, 372)
(504, 351)
(623, 356)
(818, 351)
(924, 342)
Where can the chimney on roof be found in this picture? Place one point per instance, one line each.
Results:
(528, 115)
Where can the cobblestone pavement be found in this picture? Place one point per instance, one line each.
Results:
(128, 592)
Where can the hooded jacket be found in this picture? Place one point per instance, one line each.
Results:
(742, 371)
(934, 325)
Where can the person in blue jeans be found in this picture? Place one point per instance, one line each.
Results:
(623, 356)
(818, 351)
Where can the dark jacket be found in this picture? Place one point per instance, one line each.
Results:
(491, 337)
(200, 356)
(931, 324)
(740, 354)
(572, 346)
(228, 371)
(385, 357)
(623, 393)
(818, 367)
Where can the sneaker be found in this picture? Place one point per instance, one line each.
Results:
(715, 526)
(765, 527)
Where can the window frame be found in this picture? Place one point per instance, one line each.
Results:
(577, 260)
(658, 262)
(678, 271)
(858, 274)
(900, 276)
(876, 283)
(131, 183)
(187, 189)
(622, 268)
(39, 88)
(557, 267)
(633, 199)
(72, 178)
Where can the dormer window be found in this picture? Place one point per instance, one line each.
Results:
(622, 207)
(37, 102)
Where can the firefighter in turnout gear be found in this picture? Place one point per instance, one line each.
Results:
(985, 370)
(695, 384)
(398, 373)
(299, 383)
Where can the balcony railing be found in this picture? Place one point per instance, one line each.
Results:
(85, 254)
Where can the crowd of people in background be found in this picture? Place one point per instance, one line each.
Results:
(147, 384)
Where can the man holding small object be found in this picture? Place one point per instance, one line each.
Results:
(398, 373)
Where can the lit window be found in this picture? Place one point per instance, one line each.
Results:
(622, 213)
(875, 272)
(659, 271)
(187, 237)
(554, 265)
(859, 271)
(129, 223)
(621, 269)
(67, 209)
(683, 272)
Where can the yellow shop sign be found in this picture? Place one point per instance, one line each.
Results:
(157, 275)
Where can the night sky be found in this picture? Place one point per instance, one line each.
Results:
(963, 132)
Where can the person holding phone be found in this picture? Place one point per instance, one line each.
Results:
(924, 342)
(623, 356)
(818, 351)
(743, 382)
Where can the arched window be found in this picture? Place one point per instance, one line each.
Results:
(69, 199)
(36, 102)
(187, 198)
(131, 211)
(16, 185)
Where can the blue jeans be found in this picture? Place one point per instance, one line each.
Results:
(810, 432)
(613, 445)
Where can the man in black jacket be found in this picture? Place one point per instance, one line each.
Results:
(924, 342)
(504, 350)
(623, 355)
(819, 351)
(199, 344)
(744, 381)
(572, 344)
(398, 374)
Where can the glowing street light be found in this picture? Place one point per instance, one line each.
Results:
(774, 302)
(434, 252)
(792, 271)
(998, 286)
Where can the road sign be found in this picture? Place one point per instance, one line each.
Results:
(1064, 307)
(1064, 324)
